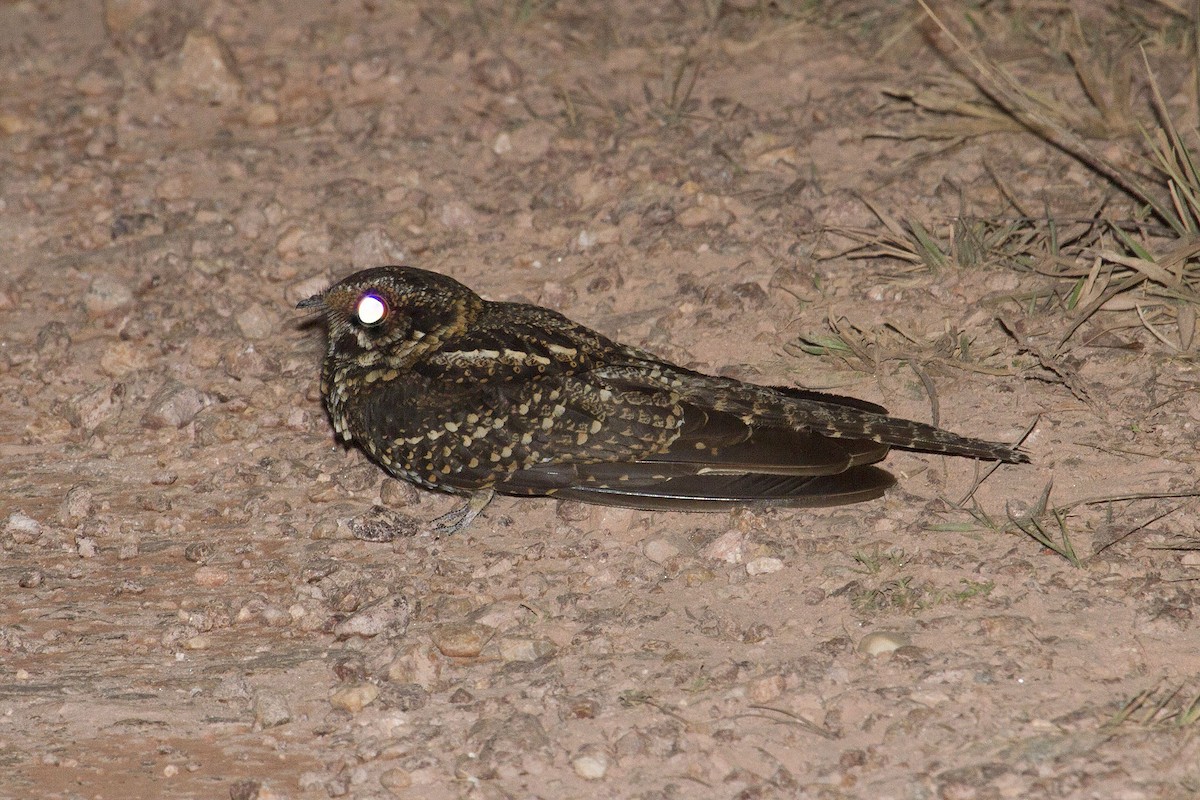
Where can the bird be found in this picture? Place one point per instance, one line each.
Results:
(455, 393)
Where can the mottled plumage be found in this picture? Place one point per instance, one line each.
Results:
(456, 393)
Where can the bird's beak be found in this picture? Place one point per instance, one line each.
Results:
(317, 301)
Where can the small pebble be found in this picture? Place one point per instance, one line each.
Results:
(174, 406)
(462, 640)
(246, 790)
(271, 710)
(76, 505)
(396, 779)
(765, 689)
(591, 763)
(262, 115)
(457, 214)
(86, 547)
(388, 615)
(121, 358)
(198, 552)
(105, 295)
(764, 566)
(206, 70)
(22, 527)
(210, 577)
(354, 698)
(498, 73)
(523, 648)
(879, 642)
(728, 547)
(255, 322)
(660, 550)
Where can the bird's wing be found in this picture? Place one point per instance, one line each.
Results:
(712, 460)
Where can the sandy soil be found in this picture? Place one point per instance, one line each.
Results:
(185, 610)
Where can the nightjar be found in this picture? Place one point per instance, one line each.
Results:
(456, 393)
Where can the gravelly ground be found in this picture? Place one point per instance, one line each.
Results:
(185, 612)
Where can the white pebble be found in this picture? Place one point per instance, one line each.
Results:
(764, 566)
(591, 765)
(874, 644)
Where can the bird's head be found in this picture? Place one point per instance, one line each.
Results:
(391, 316)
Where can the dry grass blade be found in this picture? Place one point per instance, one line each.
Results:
(951, 117)
(866, 352)
(1040, 115)
(1031, 525)
(1157, 708)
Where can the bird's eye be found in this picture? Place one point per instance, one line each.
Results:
(371, 310)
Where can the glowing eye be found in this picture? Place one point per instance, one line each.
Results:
(371, 309)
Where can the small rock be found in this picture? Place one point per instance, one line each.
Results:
(398, 494)
(354, 698)
(370, 69)
(764, 566)
(232, 688)
(105, 295)
(93, 408)
(765, 689)
(457, 214)
(462, 640)
(210, 577)
(86, 547)
(207, 70)
(528, 144)
(697, 216)
(382, 525)
(31, 579)
(388, 615)
(419, 664)
(271, 710)
(255, 322)
(403, 697)
(300, 241)
(572, 511)
(728, 547)
(198, 552)
(12, 123)
(53, 340)
(121, 358)
(262, 115)
(120, 15)
(591, 762)
(76, 505)
(524, 648)
(879, 642)
(198, 642)
(174, 187)
(396, 779)
(173, 406)
(498, 73)
(660, 551)
(373, 247)
(246, 790)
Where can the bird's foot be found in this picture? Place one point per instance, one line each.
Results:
(459, 518)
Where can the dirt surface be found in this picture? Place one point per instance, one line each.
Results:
(185, 610)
